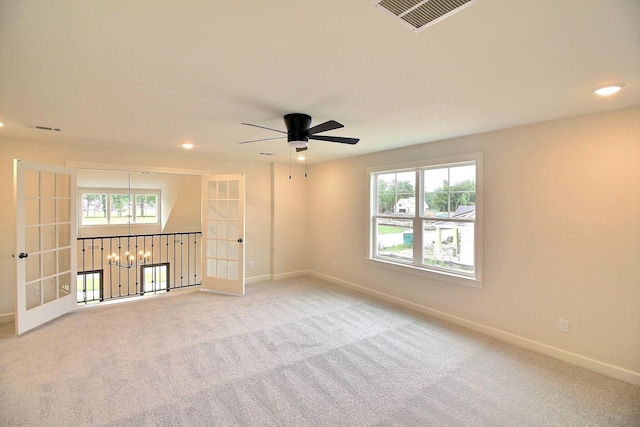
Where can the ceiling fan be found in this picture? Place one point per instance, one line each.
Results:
(299, 131)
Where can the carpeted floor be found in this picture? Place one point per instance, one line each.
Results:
(296, 352)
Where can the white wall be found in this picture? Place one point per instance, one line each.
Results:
(561, 237)
(290, 243)
(181, 216)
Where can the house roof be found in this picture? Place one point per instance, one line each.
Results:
(464, 211)
(156, 74)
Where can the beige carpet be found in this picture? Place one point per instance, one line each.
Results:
(296, 352)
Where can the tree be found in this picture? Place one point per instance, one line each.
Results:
(145, 200)
(390, 192)
(94, 202)
(119, 202)
(447, 199)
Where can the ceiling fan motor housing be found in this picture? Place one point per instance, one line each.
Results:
(298, 125)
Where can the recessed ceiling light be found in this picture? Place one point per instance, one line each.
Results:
(609, 89)
(1, 124)
(187, 146)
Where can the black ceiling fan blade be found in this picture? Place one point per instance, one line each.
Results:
(263, 127)
(263, 139)
(299, 149)
(326, 126)
(340, 139)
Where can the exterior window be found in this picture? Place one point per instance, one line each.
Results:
(155, 277)
(146, 211)
(426, 216)
(89, 286)
(120, 209)
(94, 208)
(115, 207)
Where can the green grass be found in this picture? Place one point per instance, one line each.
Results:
(397, 248)
(389, 229)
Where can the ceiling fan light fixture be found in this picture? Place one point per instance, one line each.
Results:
(609, 89)
(298, 143)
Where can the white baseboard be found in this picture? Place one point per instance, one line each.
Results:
(292, 274)
(7, 317)
(604, 368)
(255, 279)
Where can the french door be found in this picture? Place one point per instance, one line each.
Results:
(223, 234)
(45, 254)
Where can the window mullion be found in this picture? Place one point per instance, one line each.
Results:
(108, 213)
(448, 192)
(418, 245)
(133, 207)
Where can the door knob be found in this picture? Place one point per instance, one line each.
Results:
(23, 255)
(240, 240)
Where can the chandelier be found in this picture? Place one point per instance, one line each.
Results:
(129, 260)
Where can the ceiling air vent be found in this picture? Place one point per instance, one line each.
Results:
(420, 14)
(43, 127)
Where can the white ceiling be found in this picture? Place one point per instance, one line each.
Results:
(158, 72)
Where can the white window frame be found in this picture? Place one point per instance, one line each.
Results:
(416, 266)
(119, 191)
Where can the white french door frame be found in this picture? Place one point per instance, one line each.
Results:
(223, 234)
(45, 256)
(33, 308)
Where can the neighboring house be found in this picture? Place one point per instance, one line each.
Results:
(406, 205)
(465, 212)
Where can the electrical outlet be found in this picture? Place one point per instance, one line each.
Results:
(37, 291)
(564, 325)
(250, 264)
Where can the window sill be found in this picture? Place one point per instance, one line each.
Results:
(423, 272)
